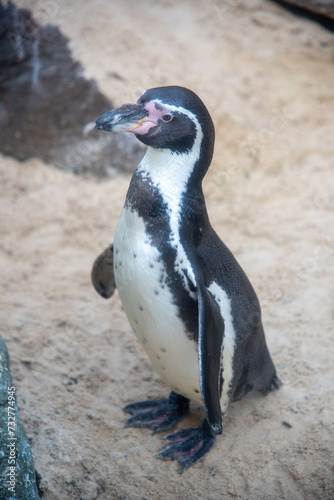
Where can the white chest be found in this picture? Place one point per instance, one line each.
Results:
(149, 305)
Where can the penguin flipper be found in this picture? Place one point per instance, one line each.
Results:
(102, 274)
(210, 342)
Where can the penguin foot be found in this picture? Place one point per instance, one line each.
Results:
(158, 415)
(274, 383)
(188, 445)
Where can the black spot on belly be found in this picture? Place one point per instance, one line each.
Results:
(141, 307)
(156, 292)
(196, 391)
(158, 357)
(151, 265)
(163, 349)
(134, 255)
(117, 249)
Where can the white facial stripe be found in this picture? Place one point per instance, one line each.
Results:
(169, 108)
(224, 304)
(170, 173)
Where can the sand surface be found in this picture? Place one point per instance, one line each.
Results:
(267, 79)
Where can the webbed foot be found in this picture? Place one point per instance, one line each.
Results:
(158, 415)
(188, 445)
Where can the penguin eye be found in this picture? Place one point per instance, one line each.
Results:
(167, 117)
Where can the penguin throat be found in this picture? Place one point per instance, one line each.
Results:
(170, 171)
(167, 171)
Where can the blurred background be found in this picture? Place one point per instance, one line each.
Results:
(266, 74)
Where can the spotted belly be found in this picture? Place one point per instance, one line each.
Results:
(150, 307)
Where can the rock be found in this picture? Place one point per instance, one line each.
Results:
(321, 7)
(17, 471)
(46, 103)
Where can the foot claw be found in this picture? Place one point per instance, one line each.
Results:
(188, 445)
(157, 415)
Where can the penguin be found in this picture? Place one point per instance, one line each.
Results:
(187, 299)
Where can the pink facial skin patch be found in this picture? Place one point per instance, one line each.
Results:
(151, 121)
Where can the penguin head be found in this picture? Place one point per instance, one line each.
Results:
(170, 117)
(177, 116)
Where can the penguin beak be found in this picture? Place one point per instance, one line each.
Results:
(127, 118)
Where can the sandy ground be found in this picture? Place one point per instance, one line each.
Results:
(267, 79)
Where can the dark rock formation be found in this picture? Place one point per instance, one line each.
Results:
(17, 472)
(45, 102)
(316, 8)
